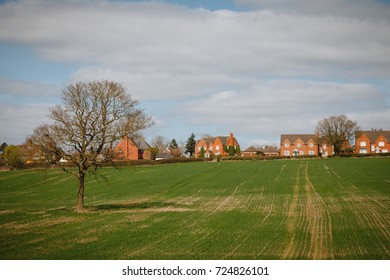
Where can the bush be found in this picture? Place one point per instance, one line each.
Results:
(13, 157)
(259, 157)
(142, 162)
(182, 160)
(126, 163)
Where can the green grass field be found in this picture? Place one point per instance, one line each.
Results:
(281, 209)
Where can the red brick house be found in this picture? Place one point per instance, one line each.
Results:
(372, 142)
(132, 149)
(299, 145)
(215, 146)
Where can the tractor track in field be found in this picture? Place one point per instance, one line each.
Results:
(282, 209)
(368, 211)
(321, 244)
(222, 205)
(308, 221)
(263, 206)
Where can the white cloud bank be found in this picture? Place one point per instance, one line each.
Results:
(20, 88)
(276, 69)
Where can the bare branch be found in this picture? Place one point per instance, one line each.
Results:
(91, 119)
(337, 131)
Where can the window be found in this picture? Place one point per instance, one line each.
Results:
(217, 148)
(301, 153)
(286, 145)
(385, 151)
(311, 145)
(211, 147)
(311, 153)
(199, 148)
(299, 145)
(363, 144)
(381, 144)
(286, 153)
(363, 151)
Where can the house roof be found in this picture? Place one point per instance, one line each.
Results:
(163, 156)
(267, 149)
(223, 139)
(208, 140)
(140, 143)
(374, 134)
(251, 149)
(293, 137)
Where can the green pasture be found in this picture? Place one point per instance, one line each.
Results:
(280, 209)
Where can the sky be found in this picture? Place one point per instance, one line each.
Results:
(256, 68)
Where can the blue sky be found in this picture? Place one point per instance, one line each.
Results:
(256, 68)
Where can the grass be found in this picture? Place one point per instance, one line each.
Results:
(282, 209)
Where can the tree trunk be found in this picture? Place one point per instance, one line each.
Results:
(80, 193)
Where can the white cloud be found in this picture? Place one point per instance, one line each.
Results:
(284, 106)
(166, 39)
(252, 72)
(146, 85)
(372, 9)
(11, 87)
(19, 121)
(373, 119)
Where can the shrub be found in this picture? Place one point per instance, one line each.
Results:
(181, 160)
(126, 163)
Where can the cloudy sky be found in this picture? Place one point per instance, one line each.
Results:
(257, 68)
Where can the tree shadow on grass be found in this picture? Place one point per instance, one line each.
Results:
(130, 206)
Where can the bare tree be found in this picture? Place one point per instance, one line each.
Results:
(93, 117)
(159, 143)
(337, 131)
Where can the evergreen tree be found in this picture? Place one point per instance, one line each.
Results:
(190, 146)
(173, 144)
(2, 147)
